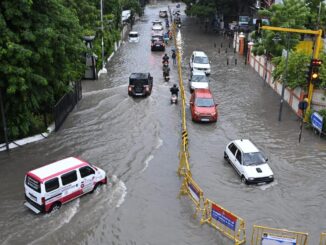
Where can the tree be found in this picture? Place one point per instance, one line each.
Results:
(40, 51)
(290, 14)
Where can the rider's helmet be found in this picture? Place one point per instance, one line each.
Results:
(174, 85)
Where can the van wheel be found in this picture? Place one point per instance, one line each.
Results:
(243, 180)
(226, 156)
(95, 187)
(55, 206)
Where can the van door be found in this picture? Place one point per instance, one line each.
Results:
(87, 175)
(71, 186)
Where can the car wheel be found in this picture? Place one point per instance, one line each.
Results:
(95, 187)
(226, 156)
(243, 180)
(55, 206)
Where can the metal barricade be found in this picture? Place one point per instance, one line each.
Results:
(190, 187)
(65, 105)
(261, 233)
(322, 238)
(229, 224)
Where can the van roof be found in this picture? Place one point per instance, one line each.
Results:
(53, 169)
(246, 146)
(203, 93)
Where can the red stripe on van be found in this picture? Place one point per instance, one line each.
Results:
(72, 196)
(65, 171)
(56, 174)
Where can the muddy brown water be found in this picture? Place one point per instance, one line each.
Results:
(136, 141)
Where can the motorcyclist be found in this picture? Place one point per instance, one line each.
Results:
(174, 90)
(166, 71)
(165, 59)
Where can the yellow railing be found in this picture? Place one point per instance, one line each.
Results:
(322, 238)
(229, 224)
(261, 232)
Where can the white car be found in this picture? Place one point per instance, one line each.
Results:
(197, 80)
(157, 22)
(199, 61)
(156, 28)
(133, 37)
(249, 162)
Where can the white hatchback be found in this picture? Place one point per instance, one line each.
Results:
(197, 80)
(249, 162)
(199, 61)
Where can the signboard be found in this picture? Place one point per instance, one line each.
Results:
(317, 121)
(272, 240)
(194, 192)
(224, 217)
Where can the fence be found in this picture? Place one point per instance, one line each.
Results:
(65, 105)
(261, 233)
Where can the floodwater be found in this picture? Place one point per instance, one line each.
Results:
(136, 141)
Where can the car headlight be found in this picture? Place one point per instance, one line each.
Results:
(213, 113)
(251, 178)
(271, 176)
(197, 113)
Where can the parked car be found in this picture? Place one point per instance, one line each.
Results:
(202, 106)
(163, 14)
(50, 186)
(140, 84)
(197, 80)
(200, 61)
(157, 43)
(248, 161)
(133, 37)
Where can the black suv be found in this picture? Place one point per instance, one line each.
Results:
(140, 84)
(157, 43)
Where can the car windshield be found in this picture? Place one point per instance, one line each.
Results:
(253, 158)
(204, 102)
(199, 78)
(133, 35)
(201, 60)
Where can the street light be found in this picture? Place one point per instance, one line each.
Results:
(277, 39)
(103, 70)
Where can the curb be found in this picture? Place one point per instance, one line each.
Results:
(30, 139)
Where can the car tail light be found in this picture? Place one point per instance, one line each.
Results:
(129, 88)
(43, 200)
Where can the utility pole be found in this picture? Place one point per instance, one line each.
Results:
(4, 121)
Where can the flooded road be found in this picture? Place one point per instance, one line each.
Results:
(136, 141)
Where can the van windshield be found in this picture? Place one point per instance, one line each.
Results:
(133, 35)
(33, 184)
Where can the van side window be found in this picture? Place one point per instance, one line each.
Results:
(52, 184)
(233, 148)
(85, 171)
(69, 177)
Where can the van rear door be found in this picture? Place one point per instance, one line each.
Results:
(33, 194)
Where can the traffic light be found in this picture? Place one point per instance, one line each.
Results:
(315, 76)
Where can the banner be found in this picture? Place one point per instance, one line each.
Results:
(224, 217)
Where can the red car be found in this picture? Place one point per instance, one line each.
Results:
(202, 106)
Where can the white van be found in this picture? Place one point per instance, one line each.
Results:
(50, 186)
(133, 37)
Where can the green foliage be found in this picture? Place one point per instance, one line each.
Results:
(322, 71)
(290, 14)
(296, 69)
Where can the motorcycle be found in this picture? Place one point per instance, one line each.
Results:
(165, 63)
(166, 77)
(174, 99)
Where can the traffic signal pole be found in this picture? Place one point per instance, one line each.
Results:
(317, 47)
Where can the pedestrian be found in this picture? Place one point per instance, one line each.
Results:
(174, 56)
